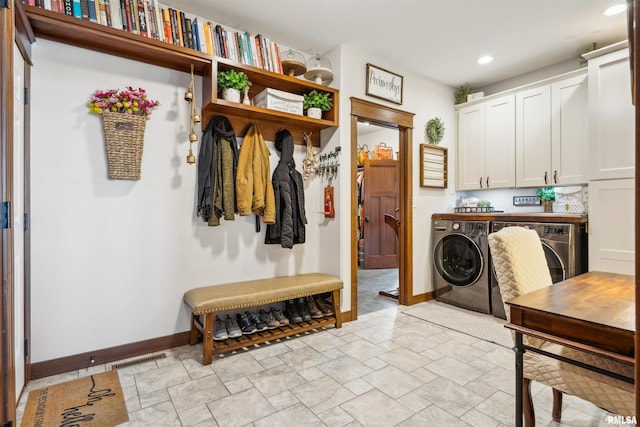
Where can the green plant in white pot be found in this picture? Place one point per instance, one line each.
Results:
(434, 130)
(316, 102)
(232, 83)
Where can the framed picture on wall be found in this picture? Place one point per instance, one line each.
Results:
(384, 84)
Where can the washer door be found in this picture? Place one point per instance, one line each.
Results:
(556, 267)
(458, 260)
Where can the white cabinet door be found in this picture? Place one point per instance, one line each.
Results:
(569, 130)
(470, 146)
(533, 137)
(500, 144)
(611, 117)
(611, 226)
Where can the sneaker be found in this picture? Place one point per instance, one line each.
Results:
(259, 324)
(220, 330)
(292, 312)
(268, 318)
(233, 330)
(327, 309)
(303, 310)
(247, 326)
(279, 316)
(315, 312)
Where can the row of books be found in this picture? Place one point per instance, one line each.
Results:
(150, 19)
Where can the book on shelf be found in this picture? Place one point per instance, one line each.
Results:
(141, 18)
(67, 7)
(91, 11)
(158, 20)
(115, 14)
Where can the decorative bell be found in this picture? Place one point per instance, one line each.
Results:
(188, 96)
(196, 118)
(191, 159)
(193, 137)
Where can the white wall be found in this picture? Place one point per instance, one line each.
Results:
(112, 259)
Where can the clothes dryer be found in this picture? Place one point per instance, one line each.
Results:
(565, 247)
(461, 263)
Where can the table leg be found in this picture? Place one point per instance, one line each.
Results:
(519, 350)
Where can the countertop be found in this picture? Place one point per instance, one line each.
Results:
(522, 217)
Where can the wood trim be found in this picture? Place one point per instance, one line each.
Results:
(403, 121)
(633, 33)
(428, 296)
(24, 35)
(106, 355)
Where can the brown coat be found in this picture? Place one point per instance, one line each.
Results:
(254, 191)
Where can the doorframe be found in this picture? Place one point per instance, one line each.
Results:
(381, 115)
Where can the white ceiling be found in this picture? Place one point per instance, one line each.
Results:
(439, 39)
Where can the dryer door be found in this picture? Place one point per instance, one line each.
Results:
(554, 261)
(458, 260)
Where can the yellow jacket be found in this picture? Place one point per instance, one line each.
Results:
(254, 191)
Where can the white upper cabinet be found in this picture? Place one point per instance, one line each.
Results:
(486, 145)
(611, 116)
(551, 133)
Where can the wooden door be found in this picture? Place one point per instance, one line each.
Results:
(380, 197)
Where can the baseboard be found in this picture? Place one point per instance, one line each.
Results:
(346, 316)
(415, 299)
(97, 357)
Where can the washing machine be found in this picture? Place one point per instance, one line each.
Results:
(565, 247)
(461, 263)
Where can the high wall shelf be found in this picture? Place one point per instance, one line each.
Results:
(81, 33)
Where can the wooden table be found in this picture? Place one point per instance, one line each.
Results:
(592, 312)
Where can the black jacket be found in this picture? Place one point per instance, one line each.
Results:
(217, 163)
(289, 228)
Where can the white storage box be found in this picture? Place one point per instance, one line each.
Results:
(573, 195)
(475, 95)
(278, 100)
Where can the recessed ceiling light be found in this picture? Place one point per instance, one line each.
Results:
(485, 59)
(615, 9)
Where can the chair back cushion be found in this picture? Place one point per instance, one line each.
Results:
(519, 261)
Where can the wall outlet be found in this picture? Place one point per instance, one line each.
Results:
(526, 201)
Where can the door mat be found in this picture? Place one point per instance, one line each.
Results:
(93, 401)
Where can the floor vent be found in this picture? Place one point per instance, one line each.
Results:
(138, 361)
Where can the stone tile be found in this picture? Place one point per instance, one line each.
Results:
(358, 386)
(196, 416)
(54, 379)
(196, 369)
(323, 342)
(283, 400)
(294, 415)
(344, 369)
(276, 380)
(502, 357)
(476, 418)
(236, 386)
(393, 381)
(434, 416)
(236, 366)
(267, 351)
(376, 334)
(335, 417)
(131, 399)
(311, 373)
(375, 408)
(404, 359)
(271, 362)
(449, 396)
(500, 406)
(159, 378)
(460, 351)
(303, 358)
(414, 402)
(155, 397)
(455, 370)
(197, 392)
(501, 379)
(375, 363)
(240, 408)
(160, 415)
(322, 394)
(413, 344)
(361, 350)
(424, 375)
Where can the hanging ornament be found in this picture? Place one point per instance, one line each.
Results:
(189, 96)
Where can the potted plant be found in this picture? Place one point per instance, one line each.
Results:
(232, 83)
(462, 92)
(547, 195)
(316, 102)
(434, 130)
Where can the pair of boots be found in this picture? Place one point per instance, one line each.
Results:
(305, 309)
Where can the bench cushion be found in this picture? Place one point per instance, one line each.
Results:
(231, 296)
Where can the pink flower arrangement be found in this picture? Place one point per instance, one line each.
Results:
(130, 101)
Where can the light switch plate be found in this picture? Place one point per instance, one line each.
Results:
(526, 201)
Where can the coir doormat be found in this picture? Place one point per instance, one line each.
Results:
(93, 401)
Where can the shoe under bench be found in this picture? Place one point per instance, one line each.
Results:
(206, 301)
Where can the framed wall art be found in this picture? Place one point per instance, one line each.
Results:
(433, 166)
(384, 84)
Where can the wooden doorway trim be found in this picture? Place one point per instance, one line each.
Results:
(362, 110)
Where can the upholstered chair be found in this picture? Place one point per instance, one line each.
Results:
(521, 267)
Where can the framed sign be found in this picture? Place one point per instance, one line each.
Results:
(384, 84)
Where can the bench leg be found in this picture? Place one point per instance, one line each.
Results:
(336, 307)
(207, 339)
(195, 333)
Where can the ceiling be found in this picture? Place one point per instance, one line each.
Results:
(439, 39)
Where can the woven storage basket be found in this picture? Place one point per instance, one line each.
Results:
(124, 139)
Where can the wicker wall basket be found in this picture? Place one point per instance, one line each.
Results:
(124, 139)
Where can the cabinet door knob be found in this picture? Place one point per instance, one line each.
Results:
(555, 177)
(545, 177)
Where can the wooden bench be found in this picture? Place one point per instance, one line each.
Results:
(205, 302)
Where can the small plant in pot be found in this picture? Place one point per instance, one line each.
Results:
(547, 195)
(232, 83)
(316, 102)
(434, 130)
(462, 92)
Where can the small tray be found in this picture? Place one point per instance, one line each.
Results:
(478, 209)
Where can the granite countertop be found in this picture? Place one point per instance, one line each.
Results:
(523, 217)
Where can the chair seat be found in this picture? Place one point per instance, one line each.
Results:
(608, 393)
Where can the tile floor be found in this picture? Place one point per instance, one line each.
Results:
(385, 369)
